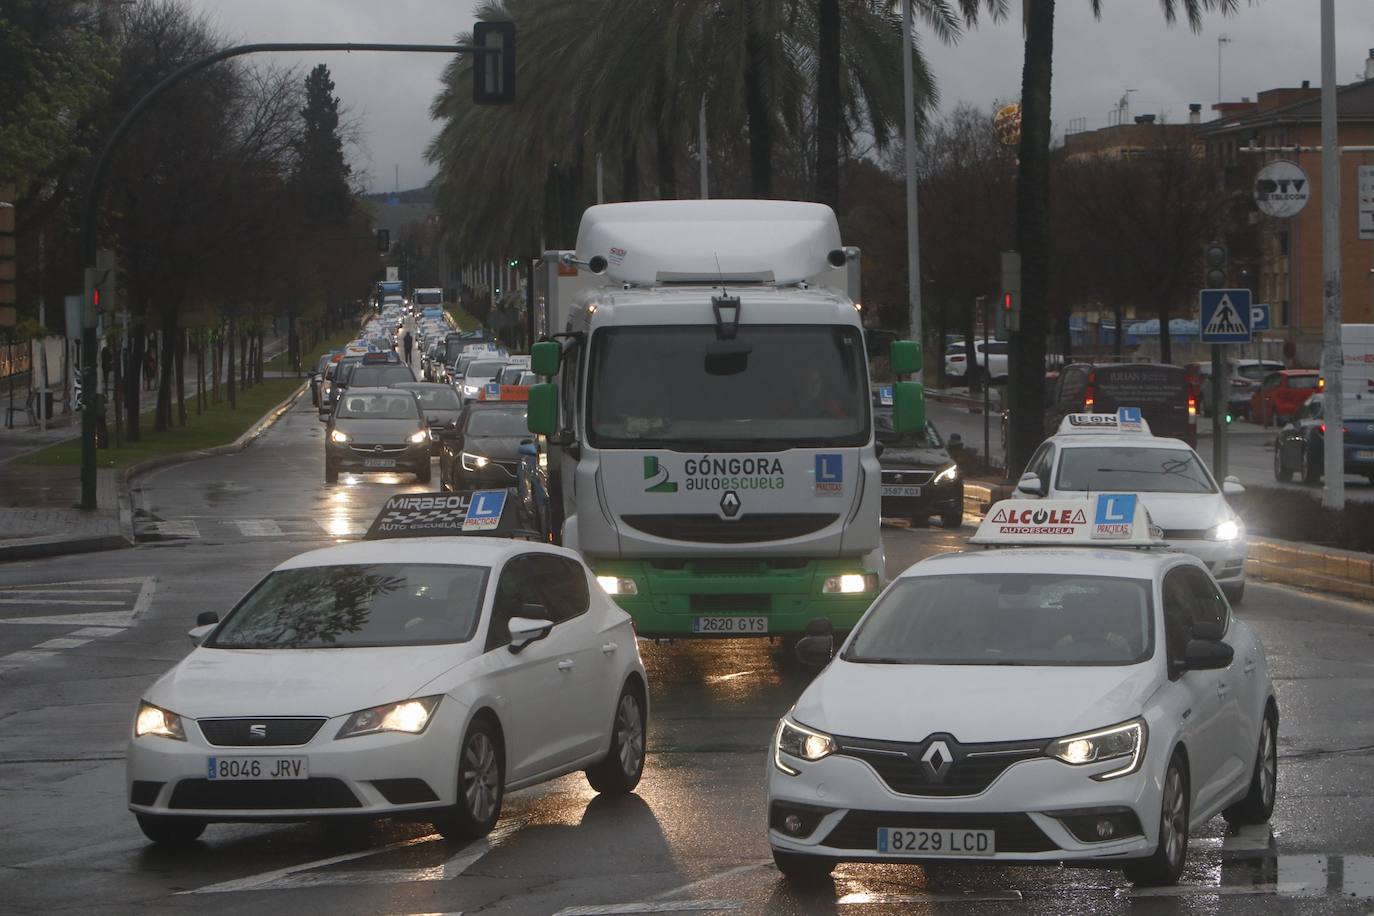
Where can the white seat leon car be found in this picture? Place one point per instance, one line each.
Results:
(418, 678)
(1036, 704)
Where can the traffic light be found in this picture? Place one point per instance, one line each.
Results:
(383, 240)
(493, 72)
(1009, 315)
(1214, 263)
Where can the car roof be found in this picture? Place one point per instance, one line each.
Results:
(454, 551)
(1115, 440)
(1124, 563)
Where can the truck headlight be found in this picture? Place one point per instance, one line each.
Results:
(850, 584)
(154, 720)
(338, 436)
(616, 586)
(1125, 742)
(948, 475)
(473, 462)
(800, 742)
(1228, 530)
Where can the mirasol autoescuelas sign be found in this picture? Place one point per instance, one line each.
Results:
(1038, 521)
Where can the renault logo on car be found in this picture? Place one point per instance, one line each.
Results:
(936, 761)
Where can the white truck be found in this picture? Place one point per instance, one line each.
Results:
(1357, 354)
(708, 433)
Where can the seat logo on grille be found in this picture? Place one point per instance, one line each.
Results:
(936, 761)
(257, 731)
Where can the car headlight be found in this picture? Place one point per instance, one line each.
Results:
(421, 436)
(473, 462)
(948, 475)
(1125, 742)
(338, 436)
(799, 742)
(154, 720)
(1228, 530)
(409, 716)
(617, 585)
(850, 584)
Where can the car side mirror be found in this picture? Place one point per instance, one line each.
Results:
(207, 618)
(531, 626)
(1207, 655)
(1030, 485)
(1231, 486)
(955, 441)
(816, 651)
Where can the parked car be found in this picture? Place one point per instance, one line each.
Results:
(1301, 445)
(990, 356)
(1243, 376)
(1160, 391)
(1282, 394)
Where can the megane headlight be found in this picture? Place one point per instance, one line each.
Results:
(948, 475)
(408, 716)
(154, 720)
(1228, 530)
(800, 742)
(1125, 742)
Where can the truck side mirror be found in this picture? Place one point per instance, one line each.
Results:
(542, 408)
(546, 357)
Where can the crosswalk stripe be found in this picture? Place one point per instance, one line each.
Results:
(61, 642)
(181, 528)
(79, 601)
(257, 527)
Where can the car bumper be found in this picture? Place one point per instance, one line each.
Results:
(934, 500)
(369, 775)
(1029, 809)
(411, 458)
(1224, 559)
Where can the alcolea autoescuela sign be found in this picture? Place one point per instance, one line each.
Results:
(1282, 189)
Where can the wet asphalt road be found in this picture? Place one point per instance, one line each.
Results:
(82, 636)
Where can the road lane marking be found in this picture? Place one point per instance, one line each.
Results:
(179, 528)
(729, 872)
(98, 631)
(95, 625)
(61, 642)
(296, 876)
(666, 906)
(257, 527)
(865, 899)
(83, 602)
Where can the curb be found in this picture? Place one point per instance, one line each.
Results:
(257, 429)
(40, 548)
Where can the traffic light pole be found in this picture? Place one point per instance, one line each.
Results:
(493, 83)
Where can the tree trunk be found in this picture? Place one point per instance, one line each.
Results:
(758, 93)
(167, 363)
(1027, 381)
(245, 380)
(261, 362)
(119, 393)
(828, 103)
(181, 376)
(200, 372)
(629, 172)
(133, 379)
(229, 366)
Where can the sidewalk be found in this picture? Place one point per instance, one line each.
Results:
(38, 505)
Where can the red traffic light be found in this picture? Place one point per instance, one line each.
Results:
(1006, 302)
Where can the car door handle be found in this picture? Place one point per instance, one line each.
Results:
(565, 664)
(608, 647)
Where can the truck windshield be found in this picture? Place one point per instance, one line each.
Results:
(778, 386)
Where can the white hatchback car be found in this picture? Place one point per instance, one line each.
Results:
(1035, 704)
(1095, 453)
(419, 678)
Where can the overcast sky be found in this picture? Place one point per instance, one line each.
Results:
(1273, 43)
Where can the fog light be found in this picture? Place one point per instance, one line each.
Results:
(1105, 829)
(792, 823)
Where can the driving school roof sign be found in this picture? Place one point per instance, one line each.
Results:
(1103, 520)
(413, 515)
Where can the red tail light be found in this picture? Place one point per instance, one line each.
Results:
(1321, 428)
(1090, 392)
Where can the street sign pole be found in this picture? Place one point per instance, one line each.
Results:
(1218, 411)
(1225, 316)
(1332, 368)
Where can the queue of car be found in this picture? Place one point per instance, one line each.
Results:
(1088, 694)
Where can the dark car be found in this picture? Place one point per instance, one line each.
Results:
(1301, 445)
(381, 375)
(920, 479)
(335, 381)
(1162, 392)
(377, 429)
(486, 450)
(442, 409)
(317, 375)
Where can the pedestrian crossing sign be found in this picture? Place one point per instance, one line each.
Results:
(1224, 315)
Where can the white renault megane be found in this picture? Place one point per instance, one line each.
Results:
(1041, 704)
(420, 678)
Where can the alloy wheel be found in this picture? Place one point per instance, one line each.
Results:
(481, 776)
(1269, 763)
(1173, 825)
(630, 728)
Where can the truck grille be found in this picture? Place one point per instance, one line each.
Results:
(762, 526)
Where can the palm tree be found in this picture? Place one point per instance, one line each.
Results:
(1026, 383)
